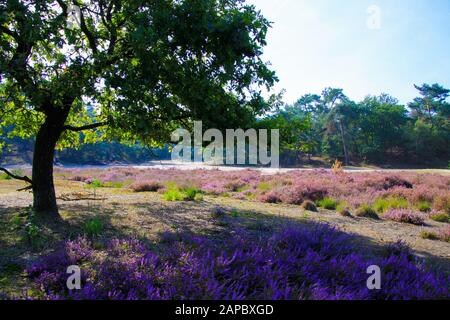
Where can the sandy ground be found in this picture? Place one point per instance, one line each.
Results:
(168, 164)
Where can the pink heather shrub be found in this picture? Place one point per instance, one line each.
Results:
(270, 197)
(146, 186)
(422, 193)
(292, 187)
(442, 203)
(80, 178)
(110, 177)
(235, 185)
(444, 234)
(389, 182)
(213, 188)
(302, 191)
(244, 195)
(405, 216)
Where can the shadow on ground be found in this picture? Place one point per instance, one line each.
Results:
(146, 221)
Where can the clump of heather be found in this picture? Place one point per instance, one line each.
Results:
(442, 204)
(315, 262)
(270, 197)
(345, 212)
(49, 274)
(302, 191)
(308, 205)
(146, 186)
(405, 216)
(80, 178)
(444, 234)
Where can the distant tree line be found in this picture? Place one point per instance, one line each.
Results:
(376, 130)
(20, 151)
(328, 127)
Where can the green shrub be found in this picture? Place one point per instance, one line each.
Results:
(328, 203)
(264, 186)
(440, 217)
(235, 213)
(429, 235)
(33, 233)
(190, 193)
(366, 211)
(250, 195)
(95, 184)
(198, 197)
(17, 221)
(114, 185)
(93, 227)
(423, 206)
(4, 176)
(173, 195)
(382, 205)
(171, 185)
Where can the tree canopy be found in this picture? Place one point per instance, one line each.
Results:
(377, 129)
(137, 69)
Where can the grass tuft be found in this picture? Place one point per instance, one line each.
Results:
(366, 211)
(423, 206)
(440, 217)
(173, 195)
(93, 227)
(191, 193)
(383, 205)
(328, 203)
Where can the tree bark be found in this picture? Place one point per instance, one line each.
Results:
(44, 196)
(341, 127)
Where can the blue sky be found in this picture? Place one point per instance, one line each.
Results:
(319, 43)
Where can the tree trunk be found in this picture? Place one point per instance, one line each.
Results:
(341, 127)
(44, 197)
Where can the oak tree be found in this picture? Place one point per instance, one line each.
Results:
(131, 69)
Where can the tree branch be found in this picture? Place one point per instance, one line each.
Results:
(86, 127)
(25, 189)
(9, 32)
(12, 175)
(83, 26)
(92, 41)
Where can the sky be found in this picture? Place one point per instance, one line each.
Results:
(315, 44)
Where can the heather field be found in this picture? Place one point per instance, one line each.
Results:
(211, 234)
